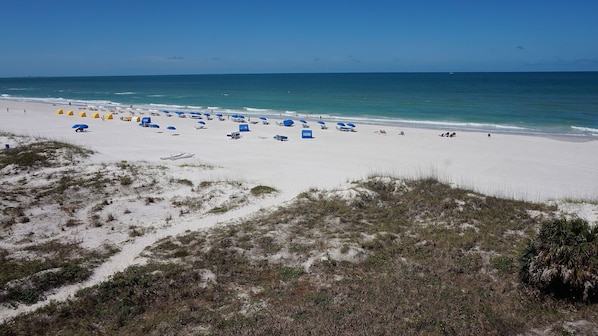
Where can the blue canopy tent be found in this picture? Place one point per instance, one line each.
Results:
(243, 127)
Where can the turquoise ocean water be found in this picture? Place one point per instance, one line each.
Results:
(559, 103)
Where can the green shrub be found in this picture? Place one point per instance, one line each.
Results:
(562, 260)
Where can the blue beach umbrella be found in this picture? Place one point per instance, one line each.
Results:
(172, 128)
(155, 126)
(321, 122)
(80, 126)
(201, 122)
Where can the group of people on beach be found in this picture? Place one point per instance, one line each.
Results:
(448, 134)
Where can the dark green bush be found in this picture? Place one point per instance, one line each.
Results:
(563, 260)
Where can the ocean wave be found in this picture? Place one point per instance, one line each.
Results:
(124, 93)
(259, 110)
(586, 129)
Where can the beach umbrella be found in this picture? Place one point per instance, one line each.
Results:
(350, 125)
(321, 122)
(340, 124)
(263, 118)
(219, 114)
(80, 126)
(303, 121)
(172, 128)
(201, 122)
(155, 126)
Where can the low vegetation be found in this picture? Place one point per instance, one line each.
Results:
(563, 260)
(386, 257)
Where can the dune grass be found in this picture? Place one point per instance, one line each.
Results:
(386, 257)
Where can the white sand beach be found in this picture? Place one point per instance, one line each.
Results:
(538, 169)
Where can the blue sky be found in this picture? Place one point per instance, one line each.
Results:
(135, 37)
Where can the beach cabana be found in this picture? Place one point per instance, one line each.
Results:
(70, 113)
(60, 111)
(243, 127)
(96, 115)
(82, 114)
(145, 121)
(322, 124)
(306, 134)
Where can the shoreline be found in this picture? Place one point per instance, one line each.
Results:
(586, 135)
